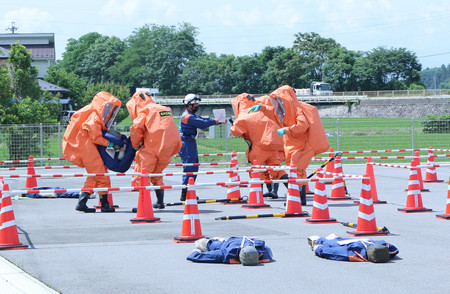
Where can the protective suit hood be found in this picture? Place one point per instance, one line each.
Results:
(285, 104)
(241, 102)
(138, 102)
(106, 106)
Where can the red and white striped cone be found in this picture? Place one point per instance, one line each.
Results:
(293, 200)
(373, 186)
(320, 213)
(431, 176)
(419, 172)
(144, 213)
(338, 191)
(446, 215)
(31, 181)
(234, 166)
(191, 229)
(255, 197)
(330, 167)
(9, 237)
(367, 224)
(233, 191)
(309, 192)
(414, 198)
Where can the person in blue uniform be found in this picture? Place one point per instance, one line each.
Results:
(189, 123)
(232, 250)
(350, 249)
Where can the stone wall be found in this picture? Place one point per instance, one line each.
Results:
(389, 108)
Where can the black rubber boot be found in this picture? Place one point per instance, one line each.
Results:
(275, 190)
(160, 196)
(105, 204)
(303, 195)
(82, 200)
(183, 194)
(285, 177)
(269, 191)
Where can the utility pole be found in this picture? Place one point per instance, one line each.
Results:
(13, 27)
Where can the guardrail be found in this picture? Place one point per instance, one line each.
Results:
(337, 97)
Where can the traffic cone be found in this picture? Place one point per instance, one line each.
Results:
(338, 191)
(294, 202)
(431, 176)
(110, 201)
(373, 186)
(31, 181)
(233, 191)
(330, 167)
(255, 198)
(144, 213)
(320, 213)
(446, 215)
(191, 229)
(309, 192)
(366, 225)
(414, 198)
(419, 172)
(9, 237)
(234, 166)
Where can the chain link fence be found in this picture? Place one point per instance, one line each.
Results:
(18, 142)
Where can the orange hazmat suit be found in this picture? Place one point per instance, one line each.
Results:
(84, 133)
(261, 131)
(155, 132)
(304, 133)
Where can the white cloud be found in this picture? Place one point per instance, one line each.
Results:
(28, 20)
(118, 9)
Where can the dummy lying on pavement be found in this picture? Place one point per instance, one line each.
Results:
(247, 251)
(348, 249)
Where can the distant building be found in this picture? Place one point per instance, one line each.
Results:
(42, 47)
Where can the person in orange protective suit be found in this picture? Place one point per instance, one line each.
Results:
(259, 131)
(85, 131)
(155, 136)
(301, 128)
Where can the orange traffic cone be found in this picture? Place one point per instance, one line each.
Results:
(31, 181)
(9, 237)
(338, 191)
(446, 215)
(367, 224)
(414, 199)
(309, 192)
(144, 213)
(294, 202)
(233, 191)
(191, 229)
(419, 172)
(255, 198)
(234, 166)
(373, 186)
(110, 201)
(431, 176)
(320, 213)
(330, 167)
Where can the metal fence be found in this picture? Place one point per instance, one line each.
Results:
(18, 142)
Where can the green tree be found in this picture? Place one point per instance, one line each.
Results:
(100, 57)
(75, 53)
(5, 85)
(339, 69)
(311, 51)
(279, 71)
(155, 57)
(23, 74)
(57, 75)
(383, 69)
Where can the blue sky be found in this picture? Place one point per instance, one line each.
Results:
(246, 27)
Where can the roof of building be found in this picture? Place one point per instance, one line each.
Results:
(46, 86)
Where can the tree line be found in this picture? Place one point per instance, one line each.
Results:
(171, 59)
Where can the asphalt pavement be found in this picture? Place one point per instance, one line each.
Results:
(74, 252)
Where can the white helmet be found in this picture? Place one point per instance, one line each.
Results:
(192, 99)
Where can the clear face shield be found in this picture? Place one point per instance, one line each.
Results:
(279, 108)
(109, 114)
